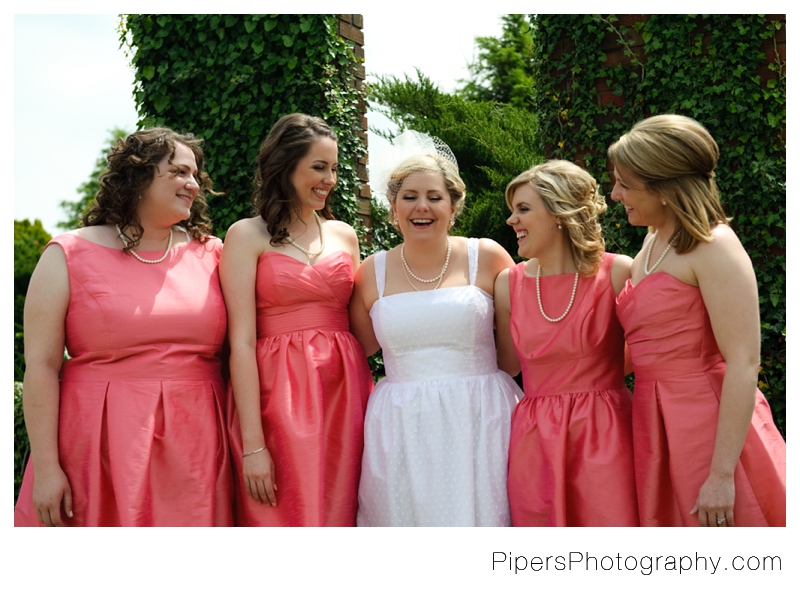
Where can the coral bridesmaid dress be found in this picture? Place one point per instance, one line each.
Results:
(570, 455)
(141, 433)
(315, 382)
(679, 372)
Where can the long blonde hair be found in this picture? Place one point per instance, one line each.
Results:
(570, 194)
(675, 156)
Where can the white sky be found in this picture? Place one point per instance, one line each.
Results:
(72, 84)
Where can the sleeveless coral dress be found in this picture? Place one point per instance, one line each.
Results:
(436, 432)
(141, 433)
(571, 452)
(315, 381)
(679, 372)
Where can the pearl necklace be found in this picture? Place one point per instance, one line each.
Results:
(539, 297)
(407, 269)
(139, 257)
(650, 249)
(311, 254)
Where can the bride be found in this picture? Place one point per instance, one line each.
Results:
(437, 426)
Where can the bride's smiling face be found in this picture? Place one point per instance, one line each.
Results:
(423, 204)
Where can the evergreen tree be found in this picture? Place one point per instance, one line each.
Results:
(503, 72)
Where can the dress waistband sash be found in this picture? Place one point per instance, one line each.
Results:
(316, 316)
(679, 367)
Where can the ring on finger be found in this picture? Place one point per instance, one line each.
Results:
(720, 520)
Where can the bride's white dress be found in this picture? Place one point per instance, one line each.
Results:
(437, 426)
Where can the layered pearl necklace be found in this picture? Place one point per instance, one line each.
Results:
(539, 297)
(311, 254)
(410, 274)
(649, 250)
(139, 257)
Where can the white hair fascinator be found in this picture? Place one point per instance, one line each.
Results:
(408, 144)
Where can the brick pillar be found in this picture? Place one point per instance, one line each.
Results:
(350, 28)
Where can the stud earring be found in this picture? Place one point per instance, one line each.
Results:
(452, 222)
(559, 225)
(663, 202)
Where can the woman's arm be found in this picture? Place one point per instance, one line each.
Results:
(492, 259)
(620, 274)
(728, 285)
(347, 235)
(237, 272)
(506, 355)
(365, 293)
(45, 314)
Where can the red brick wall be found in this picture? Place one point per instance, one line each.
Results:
(351, 28)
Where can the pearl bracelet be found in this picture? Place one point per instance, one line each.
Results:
(254, 451)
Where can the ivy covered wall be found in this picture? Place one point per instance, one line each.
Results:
(597, 75)
(229, 78)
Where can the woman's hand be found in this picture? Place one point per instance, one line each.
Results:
(51, 490)
(259, 477)
(714, 505)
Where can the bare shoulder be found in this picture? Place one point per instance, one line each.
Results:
(501, 283)
(366, 271)
(339, 227)
(248, 226)
(721, 259)
(621, 264)
(248, 232)
(490, 251)
(343, 232)
(50, 279)
(724, 245)
(620, 271)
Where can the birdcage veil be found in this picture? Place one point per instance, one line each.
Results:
(404, 147)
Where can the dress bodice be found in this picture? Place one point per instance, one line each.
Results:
(435, 334)
(582, 352)
(124, 316)
(294, 296)
(667, 327)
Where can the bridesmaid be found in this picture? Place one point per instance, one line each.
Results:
(300, 380)
(706, 449)
(570, 455)
(130, 429)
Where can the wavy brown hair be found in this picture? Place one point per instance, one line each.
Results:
(132, 166)
(675, 156)
(274, 196)
(570, 194)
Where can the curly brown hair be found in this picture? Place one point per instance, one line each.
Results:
(132, 166)
(274, 196)
(570, 194)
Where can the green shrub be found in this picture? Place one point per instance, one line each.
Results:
(22, 447)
